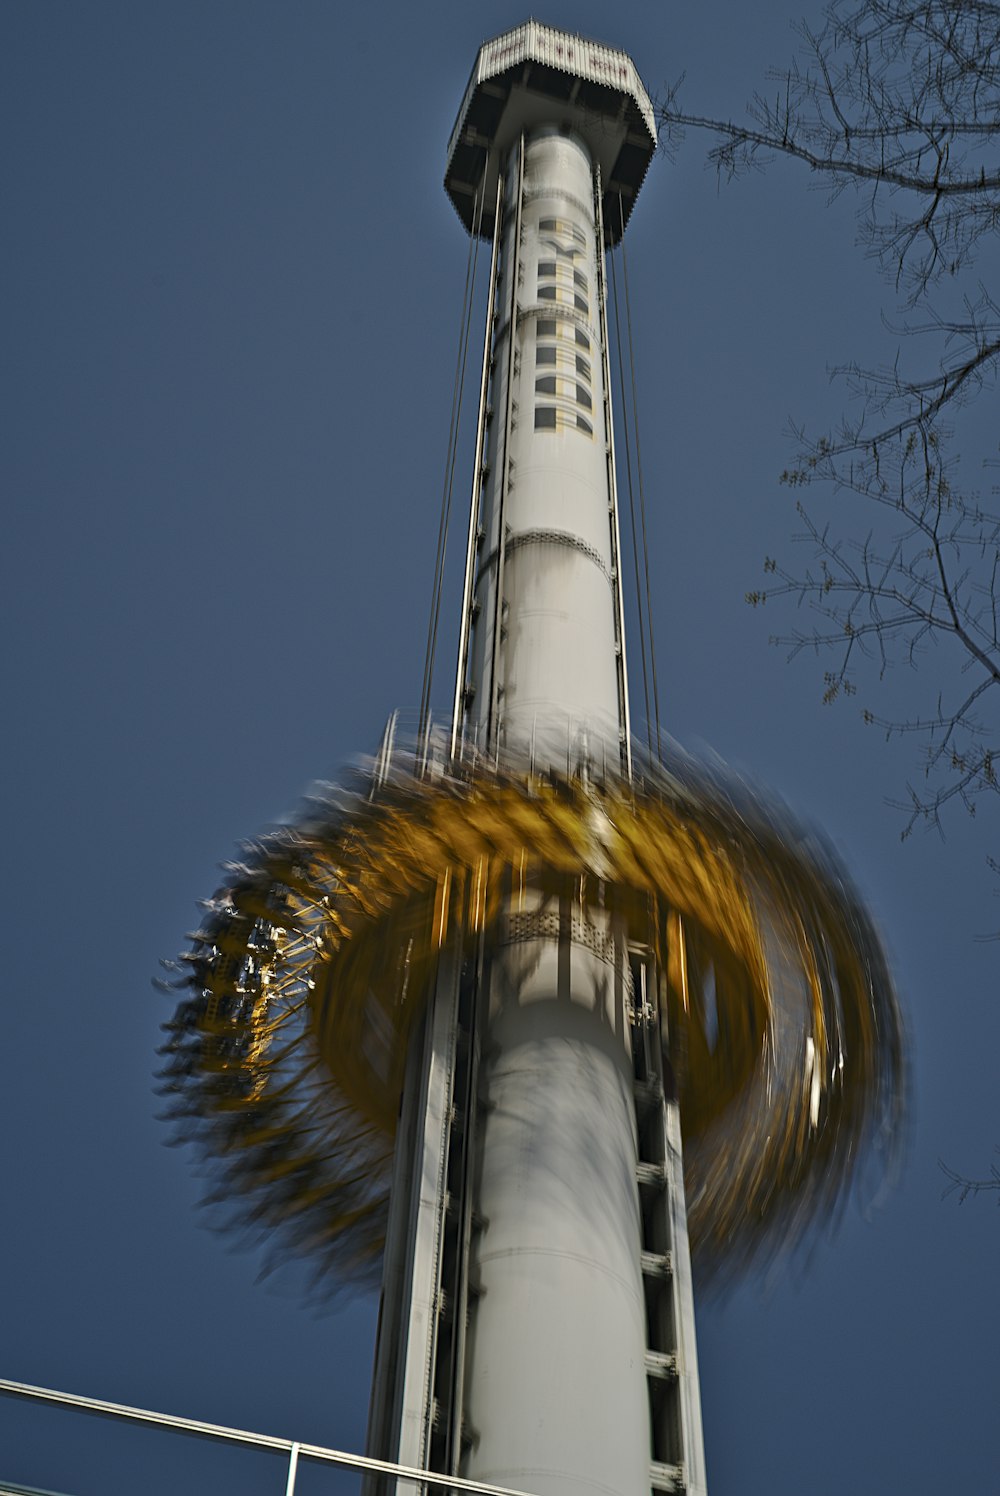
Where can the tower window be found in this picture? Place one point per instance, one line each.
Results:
(581, 304)
(582, 367)
(583, 397)
(546, 385)
(582, 341)
(561, 226)
(549, 418)
(579, 279)
(545, 355)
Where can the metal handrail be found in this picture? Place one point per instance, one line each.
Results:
(293, 1448)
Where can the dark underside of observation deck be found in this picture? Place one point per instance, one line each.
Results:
(533, 94)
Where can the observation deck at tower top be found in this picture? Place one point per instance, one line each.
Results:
(533, 76)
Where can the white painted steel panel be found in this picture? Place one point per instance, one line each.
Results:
(401, 1413)
(687, 1344)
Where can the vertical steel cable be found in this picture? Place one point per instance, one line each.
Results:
(513, 270)
(475, 498)
(642, 493)
(631, 509)
(614, 516)
(449, 468)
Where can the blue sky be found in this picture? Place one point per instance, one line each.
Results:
(231, 289)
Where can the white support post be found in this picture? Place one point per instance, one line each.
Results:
(293, 1465)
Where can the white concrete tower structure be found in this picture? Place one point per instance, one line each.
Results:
(537, 1326)
(442, 1024)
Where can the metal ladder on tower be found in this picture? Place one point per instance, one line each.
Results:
(677, 1456)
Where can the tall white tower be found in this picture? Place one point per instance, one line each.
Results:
(445, 1025)
(538, 1327)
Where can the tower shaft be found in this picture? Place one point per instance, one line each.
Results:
(547, 663)
(537, 1322)
(557, 1325)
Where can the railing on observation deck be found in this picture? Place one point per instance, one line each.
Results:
(409, 1480)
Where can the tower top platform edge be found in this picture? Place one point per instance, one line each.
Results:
(535, 76)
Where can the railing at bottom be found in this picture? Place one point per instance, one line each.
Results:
(418, 1480)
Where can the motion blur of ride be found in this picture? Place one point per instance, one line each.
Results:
(773, 1005)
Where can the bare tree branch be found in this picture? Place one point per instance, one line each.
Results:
(965, 1187)
(900, 99)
